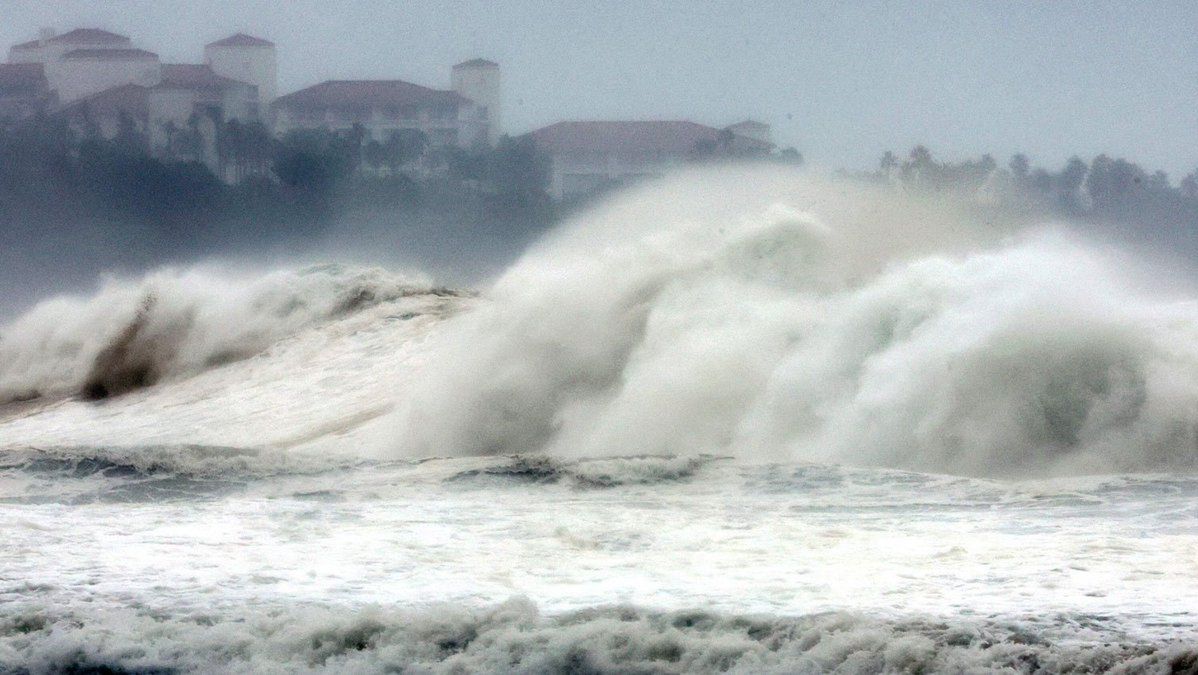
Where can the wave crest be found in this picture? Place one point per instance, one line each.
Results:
(800, 319)
(515, 637)
(174, 323)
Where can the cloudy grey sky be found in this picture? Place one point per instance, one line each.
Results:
(841, 81)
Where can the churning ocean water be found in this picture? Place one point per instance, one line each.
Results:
(802, 426)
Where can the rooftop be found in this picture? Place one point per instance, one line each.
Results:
(477, 63)
(79, 36)
(670, 136)
(193, 76)
(127, 98)
(109, 54)
(367, 93)
(749, 124)
(241, 40)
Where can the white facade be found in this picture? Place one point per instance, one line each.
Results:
(586, 156)
(250, 60)
(464, 116)
(576, 174)
(50, 46)
(85, 61)
(478, 81)
(77, 75)
(377, 123)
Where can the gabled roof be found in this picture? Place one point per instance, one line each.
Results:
(109, 54)
(749, 124)
(79, 36)
(193, 76)
(22, 79)
(668, 136)
(127, 98)
(241, 40)
(477, 63)
(358, 94)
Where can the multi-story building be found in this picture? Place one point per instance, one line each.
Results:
(249, 59)
(587, 156)
(101, 81)
(467, 114)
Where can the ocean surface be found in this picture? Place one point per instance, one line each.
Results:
(804, 427)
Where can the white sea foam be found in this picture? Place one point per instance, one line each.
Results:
(805, 319)
(172, 323)
(680, 378)
(514, 637)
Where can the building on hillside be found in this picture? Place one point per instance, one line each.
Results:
(250, 59)
(464, 116)
(104, 113)
(82, 72)
(754, 130)
(101, 82)
(588, 156)
(477, 81)
(89, 61)
(191, 98)
(24, 90)
(50, 47)
(86, 61)
(179, 116)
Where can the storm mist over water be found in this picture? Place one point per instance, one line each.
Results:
(538, 338)
(740, 419)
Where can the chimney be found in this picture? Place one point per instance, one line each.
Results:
(44, 35)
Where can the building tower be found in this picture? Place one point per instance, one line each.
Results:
(247, 59)
(478, 81)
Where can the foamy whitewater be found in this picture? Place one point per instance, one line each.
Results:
(740, 420)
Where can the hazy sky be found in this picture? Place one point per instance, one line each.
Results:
(841, 81)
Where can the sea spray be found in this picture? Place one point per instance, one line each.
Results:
(815, 320)
(175, 322)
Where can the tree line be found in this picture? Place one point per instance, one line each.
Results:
(1115, 192)
(56, 171)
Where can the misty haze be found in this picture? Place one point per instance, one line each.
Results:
(518, 337)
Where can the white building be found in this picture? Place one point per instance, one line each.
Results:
(464, 116)
(477, 81)
(86, 61)
(82, 72)
(89, 61)
(246, 58)
(102, 81)
(752, 129)
(587, 156)
(179, 116)
(50, 47)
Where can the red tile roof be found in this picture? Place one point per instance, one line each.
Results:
(109, 54)
(22, 79)
(193, 76)
(358, 94)
(79, 36)
(241, 40)
(673, 137)
(477, 63)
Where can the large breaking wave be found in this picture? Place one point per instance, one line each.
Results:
(802, 319)
(174, 323)
(766, 315)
